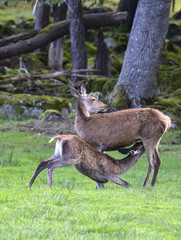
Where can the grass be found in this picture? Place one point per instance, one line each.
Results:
(73, 208)
(15, 12)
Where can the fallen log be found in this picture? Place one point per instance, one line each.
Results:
(50, 75)
(91, 21)
(18, 37)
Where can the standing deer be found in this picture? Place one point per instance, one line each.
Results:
(111, 131)
(100, 167)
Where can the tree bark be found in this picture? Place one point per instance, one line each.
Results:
(91, 21)
(102, 61)
(55, 53)
(42, 18)
(138, 77)
(77, 36)
(18, 37)
(42, 15)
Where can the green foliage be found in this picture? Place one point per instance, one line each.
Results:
(172, 102)
(73, 208)
(117, 62)
(101, 84)
(19, 13)
(39, 60)
(90, 49)
(170, 69)
(7, 28)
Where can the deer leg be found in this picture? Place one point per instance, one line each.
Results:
(156, 166)
(117, 180)
(99, 185)
(150, 157)
(40, 168)
(58, 163)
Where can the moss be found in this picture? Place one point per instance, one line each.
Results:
(119, 98)
(46, 115)
(38, 60)
(26, 24)
(46, 29)
(7, 29)
(27, 100)
(10, 73)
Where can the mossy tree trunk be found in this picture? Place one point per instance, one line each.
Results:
(42, 18)
(77, 36)
(55, 53)
(137, 80)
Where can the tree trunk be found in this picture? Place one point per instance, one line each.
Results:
(42, 18)
(55, 54)
(91, 21)
(129, 6)
(102, 61)
(77, 36)
(138, 77)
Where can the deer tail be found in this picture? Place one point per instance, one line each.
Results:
(55, 138)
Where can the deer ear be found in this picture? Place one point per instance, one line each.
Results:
(74, 92)
(83, 90)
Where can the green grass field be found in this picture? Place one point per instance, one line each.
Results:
(73, 208)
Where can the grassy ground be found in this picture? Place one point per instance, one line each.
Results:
(73, 208)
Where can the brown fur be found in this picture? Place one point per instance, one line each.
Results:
(111, 131)
(98, 166)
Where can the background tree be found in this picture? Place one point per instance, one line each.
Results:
(77, 36)
(42, 17)
(55, 54)
(129, 6)
(102, 61)
(137, 80)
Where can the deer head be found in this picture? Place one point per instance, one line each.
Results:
(92, 104)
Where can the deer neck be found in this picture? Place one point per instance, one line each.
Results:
(127, 162)
(82, 112)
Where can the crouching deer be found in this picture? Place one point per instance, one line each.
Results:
(111, 131)
(100, 167)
